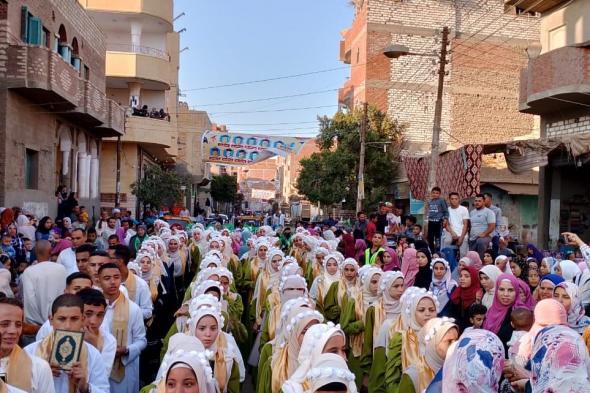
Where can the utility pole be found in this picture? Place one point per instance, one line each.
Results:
(118, 178)
(437, 118)
(361, 176)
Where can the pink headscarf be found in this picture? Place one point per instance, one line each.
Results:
(529, 300)
(475, 260)
(547, 312)
(409, 266)
(496, 314)
(359, 249)
(394, 264)
(60, 246)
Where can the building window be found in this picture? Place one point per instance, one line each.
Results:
(46, 38)
(86, 72)
(31, 29)
(31, 169)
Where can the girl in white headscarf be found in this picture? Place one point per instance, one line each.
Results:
(358, 315)
(175, 257)
(342, 288)
(185, 363)
(206, 323)
(328, 373)
(487, 277)
(319, 339)
(322, 283)
(503, 263)
(267, 280)
(442, 284)
(434, 340)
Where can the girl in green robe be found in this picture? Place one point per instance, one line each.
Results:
(322, 283)
(418, 307)
(278, 359)
(341, 289)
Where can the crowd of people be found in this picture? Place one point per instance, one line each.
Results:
(304, 309)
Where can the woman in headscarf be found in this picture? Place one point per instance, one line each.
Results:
(44, 228)
(206, 323)
(546, 286)
(418, 307)
(498, 317)
(547, 266)
(268, 278)
(568, 295)
(347, 283)
(184, 365)
(567, 269)
(503, 263)
(409, 266)
(474, 260)
(197, 247)
(442, 284)
(299, 250)
(329, 373)
(434, 340)
(322, 284)
(235, 306)
(467, 293)
(298, 318)
(487, 278)
(424, 274)
(473, 364)
(324, 338)
(359, 249)
(358, 315)
(247, 281)
(316, 263)
(559, 362)
(67, 227)
(388, 260)
(525, 294)
(534, 252)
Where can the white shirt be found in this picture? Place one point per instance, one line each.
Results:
(41, 377)
(109, 346)
(67, 258)
(42, 283)
(456, 217)
(5, 278)
(143, 297)
(136, 342)
(97, 378)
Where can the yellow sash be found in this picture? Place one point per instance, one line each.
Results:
(220, 371)
(356, 340)
(20, 370)
(131, 285)
(260, 302)
(120, 326)
(379, 317)
(44, 352)
(274, 314)
(183, 258)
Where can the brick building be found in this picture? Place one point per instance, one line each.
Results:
(480, 104)
(556, 86)
(54, 108)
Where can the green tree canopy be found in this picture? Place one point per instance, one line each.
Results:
(159, 187)
(330, 176)
(224, 188)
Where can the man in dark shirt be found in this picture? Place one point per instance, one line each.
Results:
(382, 223)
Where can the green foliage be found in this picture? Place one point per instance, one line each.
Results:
(330, 176)
(159, 187)
(224, 188)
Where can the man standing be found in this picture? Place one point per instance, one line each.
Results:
(382, 216)
(67, 257)
(96, 260)
(88, 373)
(361, 225)
(437, 212)
(371, 227)
(42, 283)
(25, 372)
(138, 290)
(82, 255)
(458, 224)
(125, 321)
(483, 223)
(488, 202)
(111, 229)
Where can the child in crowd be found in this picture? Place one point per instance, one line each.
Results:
(417, 232)
(522, 320)
(477, 315)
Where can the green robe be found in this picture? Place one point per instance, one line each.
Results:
(233, 386)
(367, 354)
(393, 365)
(331, 309)
(406, 385)
(351, 326)
(377, 373)
(263, 384)
(195, 254)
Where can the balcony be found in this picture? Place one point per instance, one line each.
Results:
(134, 63)
(43, 77)
(161, 9)
(156, 136)
(556, 80)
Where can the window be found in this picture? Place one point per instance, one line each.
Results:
(86, 72)
(46, 38)
(31, 169)
(31, 29)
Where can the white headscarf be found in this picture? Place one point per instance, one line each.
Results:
(329, 368)
(368, 297)
(442, 288)
(410, 300)
(569, 270)
(327, 278)
(507, 269)
(174, 257)
(391, 306)
(492, 272)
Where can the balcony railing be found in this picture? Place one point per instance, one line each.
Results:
(139, 49)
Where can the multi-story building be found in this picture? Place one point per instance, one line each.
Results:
(556, 86)
(480, 101)
(142, 60)
(54, 107)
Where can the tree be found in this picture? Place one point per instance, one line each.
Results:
(224, 188)
(159, 187)
(330, 176)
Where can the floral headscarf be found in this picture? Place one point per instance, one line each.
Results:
(474, 364)
(442, 288)
(576, 316)
(560, 362)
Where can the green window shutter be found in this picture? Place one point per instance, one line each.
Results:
(35, 31)
(24, 23)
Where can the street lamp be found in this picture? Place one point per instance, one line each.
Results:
(396, 51)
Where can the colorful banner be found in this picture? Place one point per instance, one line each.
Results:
(245, 149)
(263, 194)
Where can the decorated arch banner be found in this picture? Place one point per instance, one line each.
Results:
(245, 149)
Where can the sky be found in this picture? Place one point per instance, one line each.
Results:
(234, 41)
